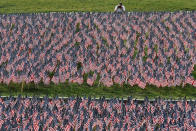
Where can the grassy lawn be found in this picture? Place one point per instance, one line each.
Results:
(72, 89)
(30, 6)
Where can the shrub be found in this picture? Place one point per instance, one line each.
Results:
(156, 48)
(78, 27)
(79, 65)
(52, 34)
(137, 35)
(147, 35)
(96, 26)
(135, 53)
(167, 28)
(105, 41)
(77, 44)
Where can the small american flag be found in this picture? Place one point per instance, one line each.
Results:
(90, 81)
(72, 103)
(105, 104)
(35, 126)
(86, 125)
(1, 123)
(48, 122)
(142, 84)
(67, 128)
(117, 106)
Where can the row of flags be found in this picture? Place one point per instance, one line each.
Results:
(95, 114)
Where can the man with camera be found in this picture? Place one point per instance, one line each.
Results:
(119, 8)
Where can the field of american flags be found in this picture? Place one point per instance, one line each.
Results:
(99, 50)
(96, 114)
(83, 54)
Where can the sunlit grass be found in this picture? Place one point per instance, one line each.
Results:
(32, 6)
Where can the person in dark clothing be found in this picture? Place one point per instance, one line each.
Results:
(119, 8)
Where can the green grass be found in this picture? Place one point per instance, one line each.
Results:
(31, 6)
(72, 89)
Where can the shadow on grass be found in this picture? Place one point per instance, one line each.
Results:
(98, 90)
(72, 89)
(187, 9)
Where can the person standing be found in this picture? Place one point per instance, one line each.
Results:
(120, 8)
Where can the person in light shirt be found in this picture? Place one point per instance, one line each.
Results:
(119, 8)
